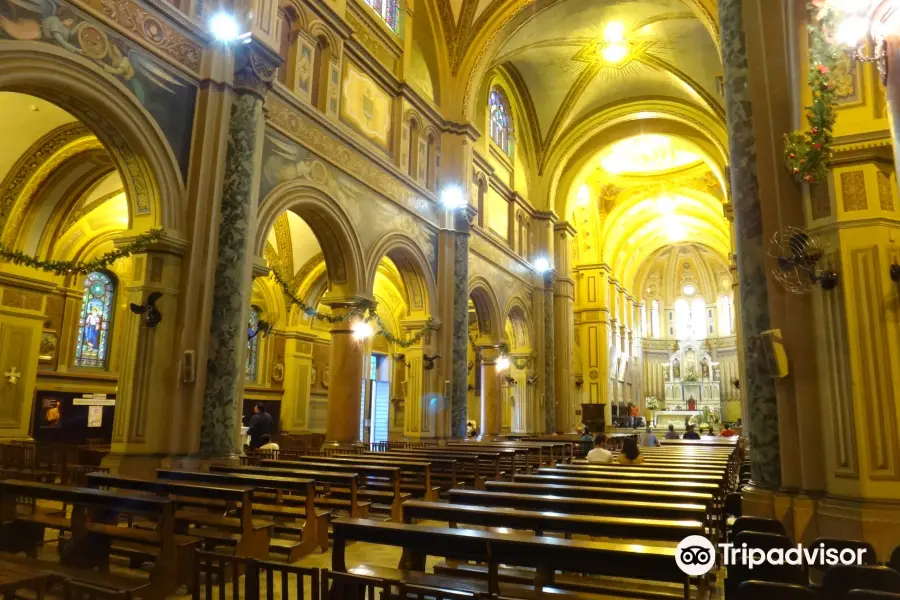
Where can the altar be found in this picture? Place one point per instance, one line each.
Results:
(693, 386)
(664, 418)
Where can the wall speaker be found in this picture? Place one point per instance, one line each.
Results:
(187, 367)
(776, 357)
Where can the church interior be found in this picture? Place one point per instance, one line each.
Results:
(440, 299)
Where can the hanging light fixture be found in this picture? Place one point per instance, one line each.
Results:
(859, 26)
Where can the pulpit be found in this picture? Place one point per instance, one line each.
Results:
(594, 417)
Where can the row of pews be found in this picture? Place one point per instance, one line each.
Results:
(578, 528)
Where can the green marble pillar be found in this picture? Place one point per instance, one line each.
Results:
(757, 384)
(254, 71)
(549, 377)
(460, 382)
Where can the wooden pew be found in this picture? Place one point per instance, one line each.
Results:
(552, 522)
(545, 555)
(462, 467)
(314, 530)
(660, 483)
(395, 496)
(528, 457)
(530, 497)
(93, 529)
(483, 464)
(250, 536)
(513, 460)
(350, 481)
(419, 469)
(623, 472)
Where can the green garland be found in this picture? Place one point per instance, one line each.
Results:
(365, 311)
(807, 153)
(68, 267)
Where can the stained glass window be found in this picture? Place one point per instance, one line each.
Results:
(501, 125)
(252, 345)
(95, 325)
(389, 10)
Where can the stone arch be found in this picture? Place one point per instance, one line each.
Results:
(413, 266)
(520, 317)
(329, 223)
(487, 309)
(301, 20)
(149, 170)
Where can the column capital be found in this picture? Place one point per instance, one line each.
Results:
(259, 268)
(170, 242)
(255, 65)
(564, 227)
(346, 302)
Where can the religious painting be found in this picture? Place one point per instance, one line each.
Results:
(47, 350)
(676, 369)
(167, 96)
(704, 369)
(94, 328)
(366, 106)
(847, 80)
(51, 413)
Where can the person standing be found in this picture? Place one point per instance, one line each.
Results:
(634, 415)
(261, 423)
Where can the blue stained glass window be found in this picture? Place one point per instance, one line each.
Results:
(252, 345)
(389, 10)
(500, 125)
(95, 325)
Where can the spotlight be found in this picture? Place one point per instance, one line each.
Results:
(541, 264)
(362, 330)
(452, 197)
(224, 27)
(502, 363)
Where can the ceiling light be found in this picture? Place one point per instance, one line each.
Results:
(584, 196)
(615, 53)
(362, 330)
(614, 31)
(224, 27)
(676, 231)
(452, 197)
(665, 205)
(689, 289)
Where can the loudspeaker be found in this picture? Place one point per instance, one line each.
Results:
(187, 367)
(775, 355)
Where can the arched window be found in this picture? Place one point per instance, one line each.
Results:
(389, 10)
(252, 345)
(285, 43)
(654, 319)
(698, 318)
(682, 319)
(95, 324)
(725, 320)
(501, 123)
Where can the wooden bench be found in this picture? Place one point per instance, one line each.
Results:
(350, 481)
(623, 472)
(448, 469)
(313, 531)
(541, 522)
(419, 484)
(103, 585)
(249, 536)
(543, 554)
(93, 528)
(516, 460)
(483, 465)
(394, 497)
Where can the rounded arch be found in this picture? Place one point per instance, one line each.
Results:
(329, 223)
(517, 312)
(322, 33)
(412, 117)
(418, 280)
(487, 309)
(297, 14)
(148, 167)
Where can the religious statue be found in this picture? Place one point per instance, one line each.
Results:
(676, 369)
(666, 372)
(689, 366)
(704, 369)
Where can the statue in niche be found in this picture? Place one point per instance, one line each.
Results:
(704, 369)
(666, 372)
(676, 369)
(717, 373)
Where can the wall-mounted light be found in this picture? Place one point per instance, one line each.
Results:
(541, 264)
(452, 197)
(224, 27)
(262, 327)
(858, 24)
(362, 330)
(502, 363)
(401, 358)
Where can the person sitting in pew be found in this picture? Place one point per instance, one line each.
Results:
(690, 434)
(631, 454)
(649, 438)
(599, 454)
(727, 431)
(671, 434)
(267, 443)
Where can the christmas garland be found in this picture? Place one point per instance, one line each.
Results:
(365, 311)
(68, 267)
(807, 153)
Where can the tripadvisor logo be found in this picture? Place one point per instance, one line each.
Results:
(696, 556)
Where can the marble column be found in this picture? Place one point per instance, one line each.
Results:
(345, 359)
(564, 329)
(549, 374)
(757, 385)
(490, 392)
(254, 70)
(459, 385)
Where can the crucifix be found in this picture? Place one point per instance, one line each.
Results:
(12, 375)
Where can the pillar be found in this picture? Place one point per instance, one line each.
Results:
(146, 409)
(750, 242)
(564, 329)
(889, 18)
(346, 361)
(490, 392)
(254, 70)
(421, 416)
(297, 381)
(595, 322)
(545, 385)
